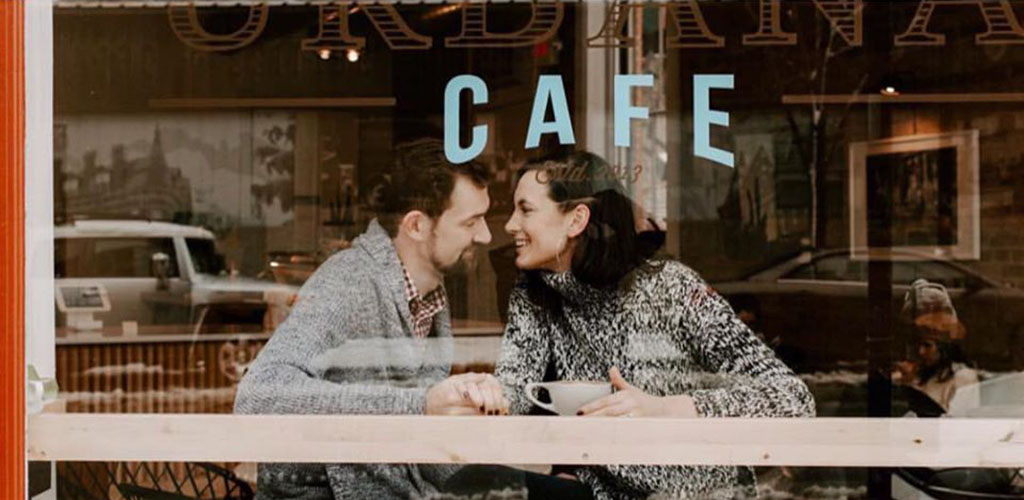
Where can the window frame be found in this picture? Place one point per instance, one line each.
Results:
(28, 264)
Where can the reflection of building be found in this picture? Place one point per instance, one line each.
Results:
(145, 187)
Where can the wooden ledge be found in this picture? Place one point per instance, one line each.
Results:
(834, 442)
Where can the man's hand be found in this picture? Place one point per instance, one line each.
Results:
(467, 394)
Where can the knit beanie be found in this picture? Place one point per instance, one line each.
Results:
(928, 307)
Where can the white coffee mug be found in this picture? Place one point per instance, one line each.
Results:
(568, 396)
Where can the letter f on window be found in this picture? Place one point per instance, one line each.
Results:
(623, 110)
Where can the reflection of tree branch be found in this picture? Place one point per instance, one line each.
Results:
(798, 139)
(276, 133)
(809, 72)
(842, 50)
(822, 152)
(265, 194)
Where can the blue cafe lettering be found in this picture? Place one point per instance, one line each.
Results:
(551, 93)
(845, 18)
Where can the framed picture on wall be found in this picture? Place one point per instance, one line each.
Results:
(915, 197)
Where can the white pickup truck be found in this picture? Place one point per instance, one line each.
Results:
(140, 276)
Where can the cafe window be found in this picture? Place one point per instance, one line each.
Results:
(826, 195)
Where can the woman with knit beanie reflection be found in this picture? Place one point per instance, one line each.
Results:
(937, 366)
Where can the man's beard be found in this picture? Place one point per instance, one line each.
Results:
(466, 262)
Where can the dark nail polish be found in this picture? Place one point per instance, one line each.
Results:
(579, 413)
(481, 408)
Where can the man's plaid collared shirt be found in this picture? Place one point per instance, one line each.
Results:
(423, 309)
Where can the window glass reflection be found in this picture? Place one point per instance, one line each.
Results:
(861, 257)
(237, 480)
(113, 257)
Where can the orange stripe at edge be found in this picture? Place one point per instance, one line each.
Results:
(12, 253)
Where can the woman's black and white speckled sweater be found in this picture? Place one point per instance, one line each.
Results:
(669, 333)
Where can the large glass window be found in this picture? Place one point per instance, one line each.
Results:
(841, 182)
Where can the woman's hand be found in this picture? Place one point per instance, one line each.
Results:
(467, 394)
(628, 401)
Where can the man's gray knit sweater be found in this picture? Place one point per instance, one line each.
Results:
(348, 348)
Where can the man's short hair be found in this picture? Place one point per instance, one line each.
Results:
(422, 179)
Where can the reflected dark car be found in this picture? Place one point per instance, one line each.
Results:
(814, 309)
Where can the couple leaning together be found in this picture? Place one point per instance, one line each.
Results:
(371, 334)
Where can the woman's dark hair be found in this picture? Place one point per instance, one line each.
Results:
(609, 249)
(949, 353)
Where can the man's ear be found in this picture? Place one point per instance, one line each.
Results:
(417, 225)
(578, 219)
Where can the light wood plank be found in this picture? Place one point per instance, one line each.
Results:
(460, 328)
(842, 442)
